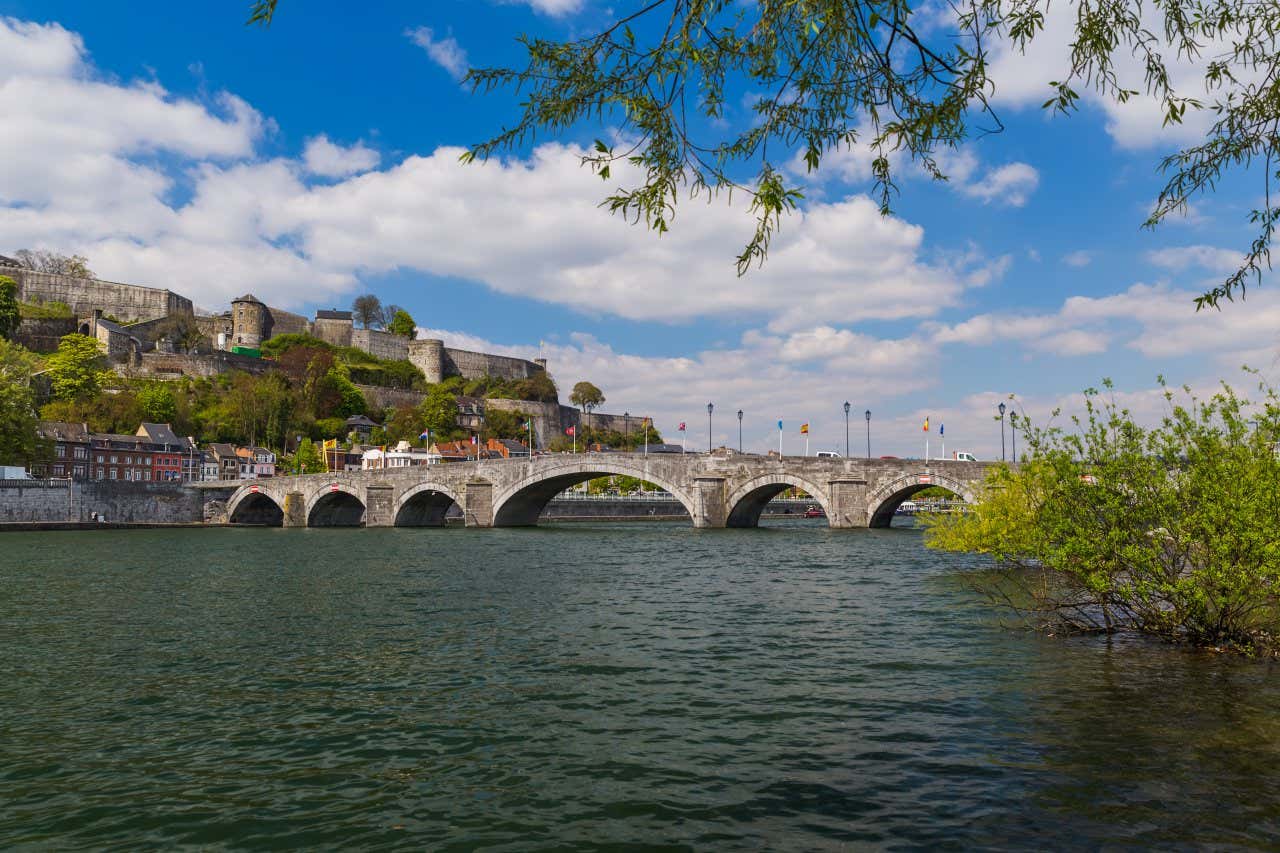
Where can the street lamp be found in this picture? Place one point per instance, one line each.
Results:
(739, 430)
(710, 407)
(868, 414)
(626, 426)
(1013, 433)
(846, 428)
(1000, 408)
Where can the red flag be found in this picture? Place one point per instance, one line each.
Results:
(571, 431)
(681, 427)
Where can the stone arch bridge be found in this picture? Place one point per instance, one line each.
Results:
(717, 491)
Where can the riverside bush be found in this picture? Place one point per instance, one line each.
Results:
(1109, 526)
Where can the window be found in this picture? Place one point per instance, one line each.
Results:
(62, 450)
(58, 471)
(100, 460)
(81, 452)
(114, 459)
(113, 474)
(146, 475)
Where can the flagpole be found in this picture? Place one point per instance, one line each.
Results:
(806, 445)
(646, 442)
(779, 439)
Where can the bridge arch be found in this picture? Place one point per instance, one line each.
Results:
(523, 502)
(424, 505)
(885, 499)
(335, 505)
(254, 505)
(748, 500)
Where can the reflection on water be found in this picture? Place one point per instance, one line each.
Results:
(793, 687)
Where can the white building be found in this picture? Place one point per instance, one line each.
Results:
(402, 456)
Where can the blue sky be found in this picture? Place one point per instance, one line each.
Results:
(317, 160)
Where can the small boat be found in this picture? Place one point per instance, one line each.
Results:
(814, 512)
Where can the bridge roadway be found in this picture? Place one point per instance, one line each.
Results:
(728, 490)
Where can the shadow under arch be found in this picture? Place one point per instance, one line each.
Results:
(522, 504)
(748, 501)
(425, 505)
(255, 508)
(340, 507)
(884, 501)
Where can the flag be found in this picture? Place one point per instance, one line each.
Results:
(926, 424)
(426, 433)
(942, 429)
(779, 426)
(681, 427)
(804, 429)
(474, 440)
(571, 431)
(331, 444)
(528, 424)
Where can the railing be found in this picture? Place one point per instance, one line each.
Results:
(36, 484)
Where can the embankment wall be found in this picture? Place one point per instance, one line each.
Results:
(58, 500)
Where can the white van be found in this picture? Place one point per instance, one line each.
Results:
(13, 472)
(964, 456)
(827, 454)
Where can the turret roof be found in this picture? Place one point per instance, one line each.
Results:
(248, 297)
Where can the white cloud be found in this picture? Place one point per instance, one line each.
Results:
(1079, 258)
(445, 52)
(1010, 184)
(326, 159)
(1211, 258)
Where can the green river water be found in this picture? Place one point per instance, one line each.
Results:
(641, 686)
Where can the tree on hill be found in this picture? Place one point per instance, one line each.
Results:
(53, 262)
(306, 459)
(439, 412)
(367, 311)
(401, 323)
(902, 83)
(75, 369)
(586, 397)
(10, 316)
(17, 405)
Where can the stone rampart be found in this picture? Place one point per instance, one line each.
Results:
(161, 365)
(43, 335)
(381, 344)
(390, 398)
(125, 301)
(474, 365)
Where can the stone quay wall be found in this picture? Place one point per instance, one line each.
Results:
(61, 500)
(126, 301)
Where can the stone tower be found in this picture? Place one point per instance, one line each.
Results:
(248, 322)
(428, 356)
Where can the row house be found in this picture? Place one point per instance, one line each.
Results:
(120, 457)
(226, 462)
(173, 459)
(69, 448)
(255, 463)
(401, 456)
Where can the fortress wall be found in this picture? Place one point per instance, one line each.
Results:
(160, 365)
(547, 420)
(381, 344)
(617, 423)
(43, 335)
(287, 323)
(473, 365)
(126, 301)
(388, 398)
(336, 332)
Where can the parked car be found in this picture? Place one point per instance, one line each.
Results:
(964, 456)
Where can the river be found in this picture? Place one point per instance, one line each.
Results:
(790, 688)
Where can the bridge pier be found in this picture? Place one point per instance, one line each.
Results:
(848, 503)
(295, 509)
(709, 508)
(477, 504)
(379, 506)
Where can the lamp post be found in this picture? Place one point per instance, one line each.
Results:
(1000, 409)
(739, 430)
(626, 426)
(868, 414)
(846, 428)
(1013, 433)
(710, 407)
